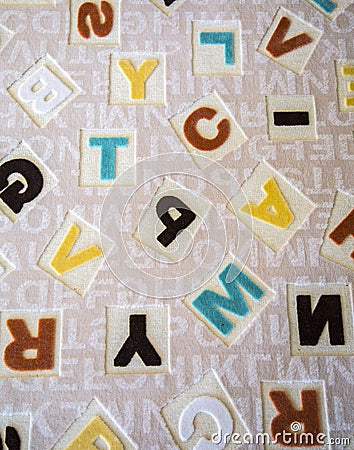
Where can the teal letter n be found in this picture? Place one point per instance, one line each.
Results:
(108, 154)
(208, 302)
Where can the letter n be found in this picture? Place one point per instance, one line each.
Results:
(311, 324)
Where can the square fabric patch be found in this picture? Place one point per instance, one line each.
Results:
(291, 117)
(171, 220)
(321, 319)
(207, 129)
(276, 209)
(217, 48)
(295, 415)
(137, 79)
(5, 36)
(24, 181)
(44, 90)
(289, 41)
(338, 244)
(138, 340)
(95, 428)
(168, 6)
(345, 85)
(15, 431)
(74, 255)
(203, 415)
(230, 301)
(330, 8)
(30, 343)
(28, 2)
(94, 22)
(106, 155)
(5, 267)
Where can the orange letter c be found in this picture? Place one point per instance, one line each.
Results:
(200, 142)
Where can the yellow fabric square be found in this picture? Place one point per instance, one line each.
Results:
(74, 255)
(273, 223)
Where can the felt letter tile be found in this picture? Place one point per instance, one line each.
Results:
(168, 6)
(203, 415)
(95, 428)
(28, 2)
(171, 220)
(275, 210)
(345, 85)
(5, 36)
(291, 117)
(230, 301)
(5, 267)
(74, 254)
(30, 343)
(95, 22)
(321, 319)
(105, 155)
(137, 79)
(338, 244)
(217, 48)
(44, 90)
(24, 181)
(295, 415)
(15, 431)
(138, 340)
(331, 8)
(289, 41)
(208, 129)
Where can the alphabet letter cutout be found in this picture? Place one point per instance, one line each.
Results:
(138, 340)
(137, 79)
(161, 231)
(321, 319)
(208, 129)
(230, 301)
(189, 428)
(30, 343)
(338, 243)
(33, 180)
(275, 218)
(106, 155)
(95, 22)
(289, 41)
(44, 90)
(217, 48)
(300, 404)
(15, 431)
(74, 254)
(94, 426)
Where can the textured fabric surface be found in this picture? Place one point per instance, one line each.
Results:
(317, 168)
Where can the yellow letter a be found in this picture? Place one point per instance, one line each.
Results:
(273, 209)
(94, 430)
(63, 263)
(137, 78)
